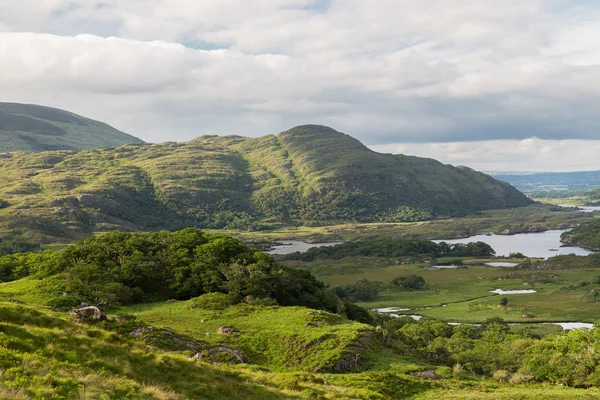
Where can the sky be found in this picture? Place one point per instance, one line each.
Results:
(495, 85)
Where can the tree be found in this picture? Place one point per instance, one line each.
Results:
(412, 282)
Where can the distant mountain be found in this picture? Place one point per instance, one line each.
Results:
(38, 128)
(307, 175)
(529, 182)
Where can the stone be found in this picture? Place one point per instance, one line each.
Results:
(425, 374)
(225, 330)
(85, 314)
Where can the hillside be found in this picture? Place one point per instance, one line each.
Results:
(248, 327)
(27, 127)
(587, 236)
(307, 175)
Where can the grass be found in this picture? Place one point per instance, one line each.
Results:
(280, 338)
(44, 356)
(466, 291)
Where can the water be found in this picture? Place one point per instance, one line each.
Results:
(390, 309)
(571, 325)
(522, 291)
(589, 209)
(567, 326)
(501, 264)
(564, 325)
(444, 266)
(539, 245)
(292, 246)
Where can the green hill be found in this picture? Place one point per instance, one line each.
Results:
(37, 128)
(307, 175)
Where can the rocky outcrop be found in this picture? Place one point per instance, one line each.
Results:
(220, 354)
(167, 340)
(352, 355)
(527, 229)
(425, 374)
(87, 314)
(227, 330)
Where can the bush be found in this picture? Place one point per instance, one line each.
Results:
(501, 375)
(504, 301)
(520, 377)
(357, 313)
(516, 255)
(211, 301)
(64, 303)
(362, 290)
(413, 282)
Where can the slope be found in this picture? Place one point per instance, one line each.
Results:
(38, 128)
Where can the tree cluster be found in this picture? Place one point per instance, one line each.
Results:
(122, 268)
(570, 358)
(392, 247)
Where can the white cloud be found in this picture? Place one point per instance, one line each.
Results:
(532, 154)
(386, 72)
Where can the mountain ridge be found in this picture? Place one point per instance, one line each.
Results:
(32, 127)
(307, 175)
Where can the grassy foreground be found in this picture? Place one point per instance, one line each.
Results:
(44, 356)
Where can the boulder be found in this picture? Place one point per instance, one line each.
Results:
(86, 314)
(226, 330)
(166, 339)
(220, 354)
(425, 374)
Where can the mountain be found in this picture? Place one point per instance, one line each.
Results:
(551, 181)
(307, 175)
(38, 128)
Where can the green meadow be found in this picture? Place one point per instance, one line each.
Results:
(561, 295)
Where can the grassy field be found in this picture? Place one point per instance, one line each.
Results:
(289, 350)
(567, 201)
(561, 295)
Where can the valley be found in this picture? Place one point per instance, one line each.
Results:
(387, 276)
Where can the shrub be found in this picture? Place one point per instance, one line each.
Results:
(457, 371)
(501, 375)
(516, 255)
(520, 377)
(64, 303)
(211, 301)
(413, 282)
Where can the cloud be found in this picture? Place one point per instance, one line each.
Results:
(386, 72)
(532, 154)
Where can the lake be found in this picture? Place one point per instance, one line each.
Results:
(588, 209)
(518, 291)
(502, 264)
(292, 246)
(542, 244)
